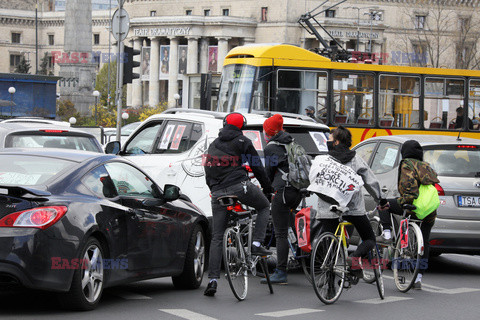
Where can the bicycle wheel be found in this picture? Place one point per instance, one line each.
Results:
(306, 268)
(406, 261)
(235, 264)
(376, 265)
(368, 273)
(328, 268)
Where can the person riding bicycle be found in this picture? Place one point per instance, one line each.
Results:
(339, 143)
(225, 175)
(412, 172)
(285, 197)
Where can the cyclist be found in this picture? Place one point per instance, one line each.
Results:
(413, 172)
(339, 143)
(225, 175)
(285, 197)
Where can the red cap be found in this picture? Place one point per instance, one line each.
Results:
(273, 125)
(235, 119)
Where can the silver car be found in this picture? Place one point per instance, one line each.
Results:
(457, 163)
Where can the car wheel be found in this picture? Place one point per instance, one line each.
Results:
(88, 280)
(194, 267)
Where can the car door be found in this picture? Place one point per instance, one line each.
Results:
(152, 227)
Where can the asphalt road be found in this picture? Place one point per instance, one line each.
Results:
(451, 290)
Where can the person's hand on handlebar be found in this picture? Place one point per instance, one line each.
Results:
(383, 204)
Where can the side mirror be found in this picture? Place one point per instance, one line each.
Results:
(113, 147)
(171, 192)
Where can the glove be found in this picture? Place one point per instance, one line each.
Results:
(383, 204)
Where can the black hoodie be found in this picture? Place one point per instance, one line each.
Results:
(276, 158)
(341, 153)
(223, 161)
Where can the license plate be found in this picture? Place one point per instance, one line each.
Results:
(468, 201)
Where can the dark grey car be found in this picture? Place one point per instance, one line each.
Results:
(457, 163)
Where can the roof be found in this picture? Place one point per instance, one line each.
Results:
(63, 154)
(32, 126)
(428, 140)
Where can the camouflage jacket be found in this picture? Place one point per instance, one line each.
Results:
(413, 173)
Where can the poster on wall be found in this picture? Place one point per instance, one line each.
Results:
(164, 61)
(182, 59)
(145, 64)
(212, 58)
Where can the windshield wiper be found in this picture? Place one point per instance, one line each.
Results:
(477, 175)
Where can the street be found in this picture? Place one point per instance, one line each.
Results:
(451, 290)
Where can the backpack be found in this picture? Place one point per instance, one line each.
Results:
(299, 163)
(427, 201)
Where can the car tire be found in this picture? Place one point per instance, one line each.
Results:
(85, 294)
(194, 268)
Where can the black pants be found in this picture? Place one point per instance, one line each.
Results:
(362, 224)
(425, 227)
(283, 202)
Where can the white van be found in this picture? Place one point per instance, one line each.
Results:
(169, 146)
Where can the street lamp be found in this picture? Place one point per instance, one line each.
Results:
(176, 96)
(125, 116)
(72, 120)
(358, 25)
(12, 91)
(373, 15)
(96, 94)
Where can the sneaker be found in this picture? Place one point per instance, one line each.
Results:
(381, 239)
(417, 285)
(278, 277)
(260, 251)
(211, 289)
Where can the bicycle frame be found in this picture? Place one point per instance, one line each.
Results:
(411, 223)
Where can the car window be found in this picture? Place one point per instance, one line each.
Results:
(176, 138)
(129, 181)
(365, 151)
(453, 161)
(51, 140)
(143, 141)
(100, 183)
(385, 157)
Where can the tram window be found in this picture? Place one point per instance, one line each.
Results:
(443, 97)
(353, 98)
(399, 101)
(289, 79)
(474, 104)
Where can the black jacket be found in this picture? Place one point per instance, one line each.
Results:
(223, 161)
(276, 158)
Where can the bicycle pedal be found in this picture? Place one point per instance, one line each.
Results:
(346, 284)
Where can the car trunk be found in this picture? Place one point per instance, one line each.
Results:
(461, 199)
(10, 204)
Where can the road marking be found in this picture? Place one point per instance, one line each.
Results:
(451, 291)
(423, 284)
(386, 300)
(187, 314)
(130, 295)
(287, 313)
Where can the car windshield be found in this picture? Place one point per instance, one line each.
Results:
(236, 88)
(47, 140)
(30, 170)
(454, 161)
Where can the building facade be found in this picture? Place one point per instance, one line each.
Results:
(180, 40)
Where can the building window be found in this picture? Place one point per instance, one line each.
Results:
(153, 13)
(96, 39)
(420, 22)
(330, 13)
(188, 12)
(51, 39)
(206, 12)
(16, 37)
(464, 24)
(14, 61)
(264, 14)
(226, 12)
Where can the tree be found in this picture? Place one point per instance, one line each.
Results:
(66, 109)
(44, 65)
(102, 84)
(23, 67)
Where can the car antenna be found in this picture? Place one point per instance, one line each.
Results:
(458, 137)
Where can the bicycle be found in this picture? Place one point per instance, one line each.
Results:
(406, 248)
(329, 265)
(237, 245)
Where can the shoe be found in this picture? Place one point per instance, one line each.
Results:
(381, 239)
(417, 285)
(211, 289)
(278, 277)
(260, 251)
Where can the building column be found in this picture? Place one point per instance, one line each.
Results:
(363, 46)
(154, 85)
(192, 58)
(137, 100)
(222, 52)
(203, 55)
(173, 72)
(252, 40)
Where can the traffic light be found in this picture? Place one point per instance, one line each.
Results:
(129, 64)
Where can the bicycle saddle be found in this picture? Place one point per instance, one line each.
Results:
(410, 207)
(227, 201)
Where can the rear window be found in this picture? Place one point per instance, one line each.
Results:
(30, 170)
(454, 161)
(51, 140)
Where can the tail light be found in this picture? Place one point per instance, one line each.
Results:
(53, 131)
(41, 218)
(439, 189)
(436, 242)
(467, 147)
(237, 208)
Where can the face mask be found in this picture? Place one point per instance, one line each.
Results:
(266, 137)
(330, 145)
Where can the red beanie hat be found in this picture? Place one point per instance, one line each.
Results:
(273, 125)
(235, 119)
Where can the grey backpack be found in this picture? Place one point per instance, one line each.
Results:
(299, 163)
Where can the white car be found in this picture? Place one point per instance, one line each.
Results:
(169, 146)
